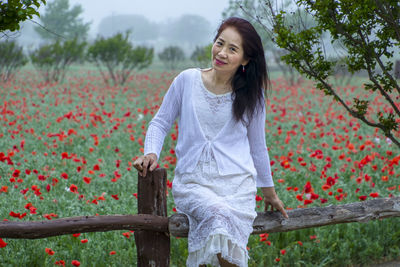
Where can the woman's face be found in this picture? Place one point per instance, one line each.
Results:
(227, 51)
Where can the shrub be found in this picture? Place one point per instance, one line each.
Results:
(52, 60)
(117, 55)
(202, 55)
(11, 59)
(171, 56)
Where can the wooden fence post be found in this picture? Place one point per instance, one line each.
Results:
(397, 69)
(153, 248)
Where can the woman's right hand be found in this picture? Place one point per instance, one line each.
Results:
(144, 162)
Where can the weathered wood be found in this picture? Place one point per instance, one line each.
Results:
(153, 248)
(397, 70)
(178, 224)
(270, 222)
(82, 224)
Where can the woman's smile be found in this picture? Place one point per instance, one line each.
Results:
(219, 62)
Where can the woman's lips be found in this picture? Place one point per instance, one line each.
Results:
(219, 62)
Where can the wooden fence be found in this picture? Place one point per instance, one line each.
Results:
(153, 228)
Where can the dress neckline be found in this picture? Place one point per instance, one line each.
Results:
(208, 91)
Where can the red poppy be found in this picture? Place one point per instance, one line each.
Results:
(307, 201)
(127, 234)
(16, 173)
(87, 180)
(4, 189)
(73, 188)
(323, 200)
(326, 187)
(2, 243)
(375, 194)
(362, 198)
(49, 251)
(60, 262)
(75, 263)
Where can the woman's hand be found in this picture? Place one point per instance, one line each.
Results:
(144, 162)
(271, 199)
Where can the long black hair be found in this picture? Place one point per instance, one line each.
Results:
(247, 85)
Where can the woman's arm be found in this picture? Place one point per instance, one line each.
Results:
(258, 148)
(159, 126)
(259, 153)
(162, 122)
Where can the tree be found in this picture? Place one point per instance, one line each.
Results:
(12, 12)
(53, 60)
(171, 56)
(117, 55)
(367, 30)
(188, 29)
(11, 59)
(202, 55)
(142, 29)
(61, 21)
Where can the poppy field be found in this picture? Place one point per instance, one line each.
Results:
(67, 149)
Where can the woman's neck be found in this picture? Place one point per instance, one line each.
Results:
(220, 80)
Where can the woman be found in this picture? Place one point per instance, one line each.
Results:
(221, 151)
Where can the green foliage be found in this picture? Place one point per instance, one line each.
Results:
(12, 12)
(202, 55)
(117, 55)
(367, 30)
(61, 21)
(11, 59)
(52, 60)
(171, 56)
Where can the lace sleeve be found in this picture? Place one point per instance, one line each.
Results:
(258, 148)
(161, 124)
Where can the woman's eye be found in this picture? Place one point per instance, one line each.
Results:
(233, 49)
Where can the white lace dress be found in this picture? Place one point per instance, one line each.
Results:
(221, 209)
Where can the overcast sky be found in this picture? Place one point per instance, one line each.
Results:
(154, 10)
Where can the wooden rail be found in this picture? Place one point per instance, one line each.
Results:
(153, 227)
(178, 224)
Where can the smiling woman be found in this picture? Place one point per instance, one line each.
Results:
(221, 150)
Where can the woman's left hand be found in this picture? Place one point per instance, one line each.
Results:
(273, 201)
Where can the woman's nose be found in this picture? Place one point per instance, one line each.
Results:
(222, 53)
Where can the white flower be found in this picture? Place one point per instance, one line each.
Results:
(377, 140)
